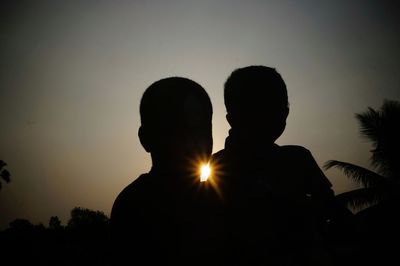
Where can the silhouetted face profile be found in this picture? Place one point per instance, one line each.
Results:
(176, 125)
(257, 104)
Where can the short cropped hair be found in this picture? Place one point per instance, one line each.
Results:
(255, 85)
(162, 104)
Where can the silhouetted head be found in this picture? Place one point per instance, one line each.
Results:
(176, 124)
(257, 105)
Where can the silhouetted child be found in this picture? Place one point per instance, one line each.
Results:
(167, 217)
(282, 207)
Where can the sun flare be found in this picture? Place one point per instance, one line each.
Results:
(205, 172)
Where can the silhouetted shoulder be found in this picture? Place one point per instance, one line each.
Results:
(298, 155)
(218, 155)
(223, 161)
(131, 196)
(294, 150)
(295, 153)
(135, 187)
(303, 159)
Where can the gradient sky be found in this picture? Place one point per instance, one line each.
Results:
(72, 74)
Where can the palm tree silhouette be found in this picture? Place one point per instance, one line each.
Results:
(4, 173)
(381, 127)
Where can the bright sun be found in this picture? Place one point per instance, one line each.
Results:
(205, 172)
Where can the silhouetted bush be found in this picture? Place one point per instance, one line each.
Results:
(84, 241)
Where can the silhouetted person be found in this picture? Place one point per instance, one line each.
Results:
(282, 206)
(166, 216)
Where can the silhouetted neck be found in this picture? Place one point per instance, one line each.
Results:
(246, 146)
(170, 173)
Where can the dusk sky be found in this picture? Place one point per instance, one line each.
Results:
(72, 74)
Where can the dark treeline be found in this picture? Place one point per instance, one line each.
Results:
(83, 241)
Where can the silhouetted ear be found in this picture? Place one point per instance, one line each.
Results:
(282, 125)
(229, 119)
(144, 139)
(285, 115)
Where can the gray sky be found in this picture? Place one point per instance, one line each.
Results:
(72, 74)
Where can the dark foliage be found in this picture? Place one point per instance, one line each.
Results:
(84, 241)
(4, 173)
(382, 128)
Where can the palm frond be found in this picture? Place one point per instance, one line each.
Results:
(359, 174)
(5, 175)
(381, 163)
(370, 121)
(2, 164)
(391, 108)
(382, 128)
(362, 197)
(385, 155)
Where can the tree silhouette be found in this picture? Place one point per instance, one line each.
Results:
(4, 173)
(88, 233)
(381, 127)
(21, 224)
(82, 218)
(54, 223)
(84, 241)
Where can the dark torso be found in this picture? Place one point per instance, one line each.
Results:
(270, 198)
(168, 222)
